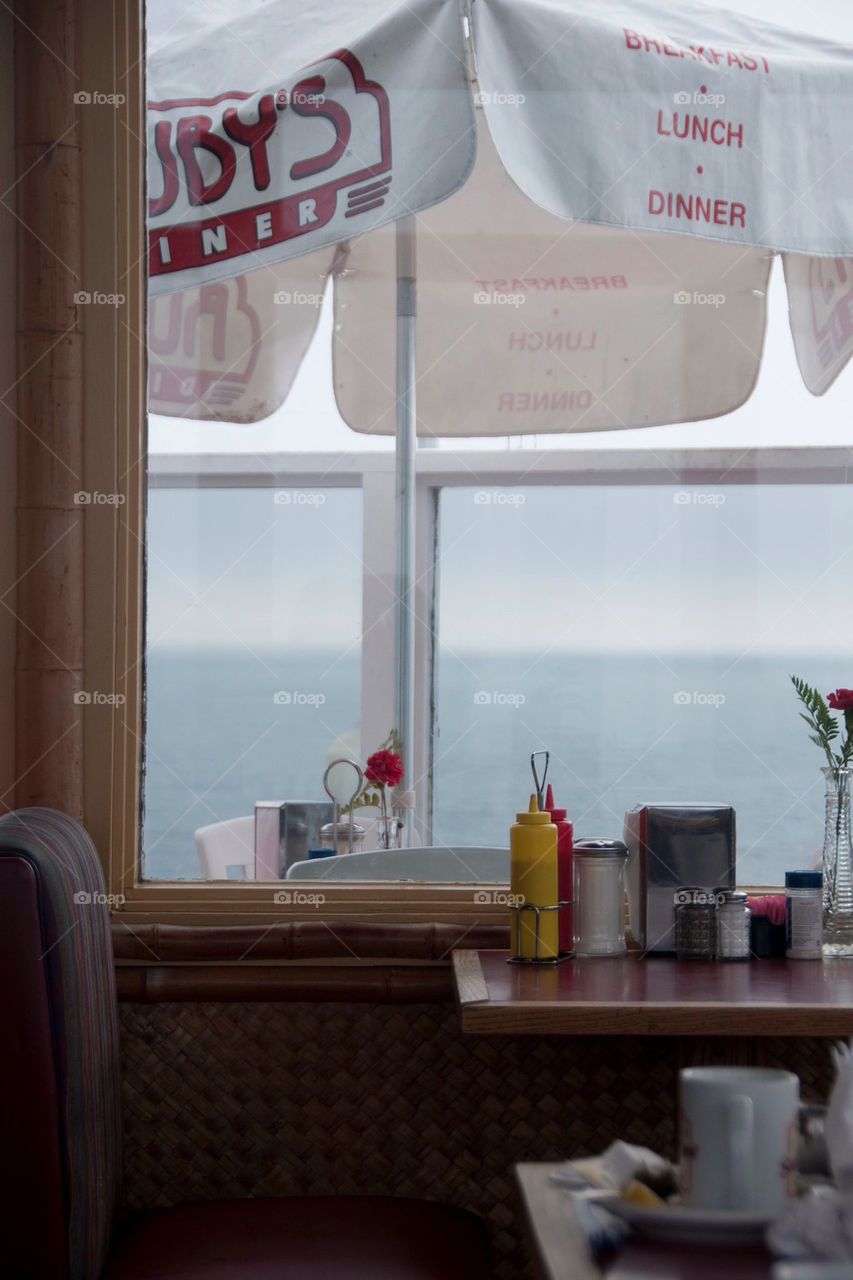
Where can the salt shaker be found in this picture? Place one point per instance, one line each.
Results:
(599, 897)
(732, 924)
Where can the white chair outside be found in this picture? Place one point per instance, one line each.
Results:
(226, 850)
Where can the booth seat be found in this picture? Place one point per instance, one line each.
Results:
(60, 1123)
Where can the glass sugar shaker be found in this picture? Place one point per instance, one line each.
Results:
(732, 924)
(598, 916)
(342, 845)
(695, 931)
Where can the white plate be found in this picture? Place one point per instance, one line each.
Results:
(681, 1225)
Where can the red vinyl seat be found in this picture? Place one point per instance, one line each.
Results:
(308, 1238)
(60, 1123)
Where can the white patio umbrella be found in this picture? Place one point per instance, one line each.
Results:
(604, 267)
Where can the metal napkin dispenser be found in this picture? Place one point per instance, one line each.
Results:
(284, 832)
(671, 845)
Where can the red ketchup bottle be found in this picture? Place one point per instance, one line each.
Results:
(565, 940)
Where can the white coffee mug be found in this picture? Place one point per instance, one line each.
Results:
(737, 1137)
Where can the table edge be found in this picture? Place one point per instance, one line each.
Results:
(555, 1261)
(481, 1015)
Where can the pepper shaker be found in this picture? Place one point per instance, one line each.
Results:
(695, 923)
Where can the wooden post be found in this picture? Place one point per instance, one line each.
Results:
(49, 665)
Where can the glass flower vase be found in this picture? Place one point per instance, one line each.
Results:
(389, 831)
(837, 866)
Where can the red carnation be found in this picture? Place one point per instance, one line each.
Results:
(841, 700)
(386, 768)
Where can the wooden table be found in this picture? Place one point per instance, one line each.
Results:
(635, 994)
(562, 1253)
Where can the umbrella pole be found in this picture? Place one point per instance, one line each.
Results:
(404, 652)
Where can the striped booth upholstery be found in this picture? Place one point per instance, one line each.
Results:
(60, 1165)
(60, 1120)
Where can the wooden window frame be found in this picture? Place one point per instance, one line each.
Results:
(110, 54)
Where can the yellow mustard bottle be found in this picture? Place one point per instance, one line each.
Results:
(533, 879)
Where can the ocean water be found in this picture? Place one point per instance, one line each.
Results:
(227, 728)
(625, 730)
(622, 730)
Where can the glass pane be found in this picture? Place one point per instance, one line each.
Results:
(645, 635)
(253, 665)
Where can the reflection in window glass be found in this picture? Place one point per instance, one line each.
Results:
(253, 664)
(645, 636)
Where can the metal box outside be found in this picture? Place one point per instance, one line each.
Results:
(284, 832)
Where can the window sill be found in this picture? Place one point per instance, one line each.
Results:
(262, 904)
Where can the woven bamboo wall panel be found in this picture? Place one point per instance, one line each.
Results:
(282, 1099)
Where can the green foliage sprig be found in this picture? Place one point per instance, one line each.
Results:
(824, 728)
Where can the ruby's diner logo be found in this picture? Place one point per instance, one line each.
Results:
(831, 295)
(237, 173)
(203, 347)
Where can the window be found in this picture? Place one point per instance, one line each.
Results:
(252, 673)
(637, 611)
(464, 766)
(642, 628)
(645, 634)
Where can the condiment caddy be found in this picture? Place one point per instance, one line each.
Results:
(540, 860)
(567, 896)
